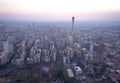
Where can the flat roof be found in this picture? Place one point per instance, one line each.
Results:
(70, 73)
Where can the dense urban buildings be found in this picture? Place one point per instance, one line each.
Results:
(51, 52)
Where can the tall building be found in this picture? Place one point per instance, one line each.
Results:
(6, 46)
(70, 53)
(73, 18)
(91, 48)
(4, 55)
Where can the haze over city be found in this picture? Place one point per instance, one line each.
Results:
(59, 41)
(55, 10)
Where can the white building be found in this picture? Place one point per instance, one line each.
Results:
(70, 73)
(78, 70)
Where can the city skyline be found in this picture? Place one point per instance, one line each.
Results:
(51, 10)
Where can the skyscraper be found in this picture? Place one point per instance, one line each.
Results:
(73, 24)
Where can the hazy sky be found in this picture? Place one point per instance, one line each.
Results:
(59, 9)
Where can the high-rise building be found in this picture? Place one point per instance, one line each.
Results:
(73, 18)
(91, 48)
(6, 46)
(70, 53)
